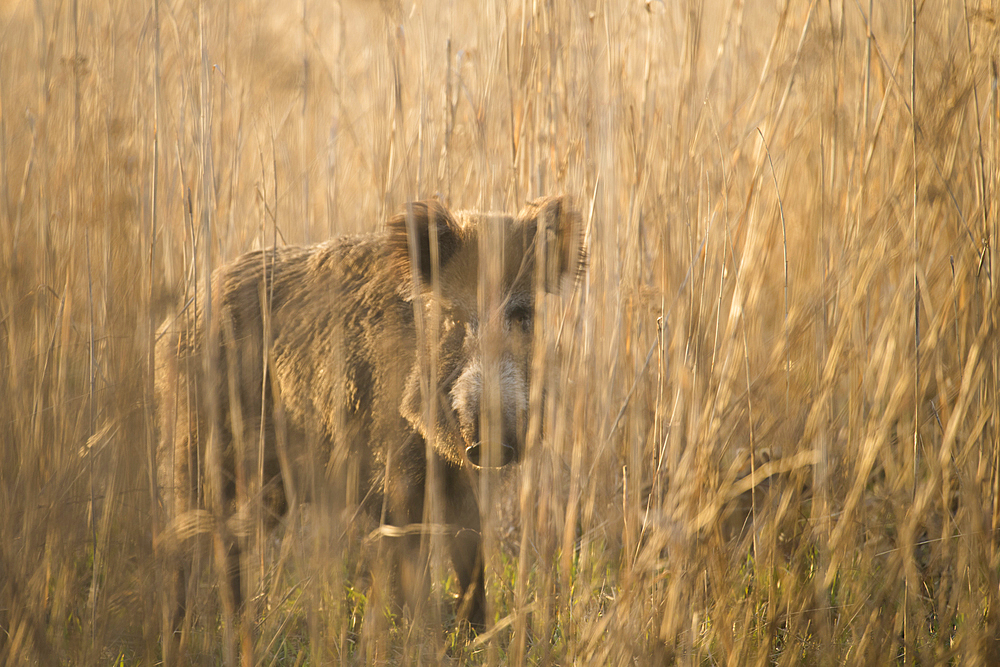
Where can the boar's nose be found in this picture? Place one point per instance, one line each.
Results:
(474, 452)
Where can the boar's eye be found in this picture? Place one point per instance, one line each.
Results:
(521, 316)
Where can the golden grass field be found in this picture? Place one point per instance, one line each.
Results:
(778, 439)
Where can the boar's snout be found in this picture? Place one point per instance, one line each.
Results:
(475, 453)
(508, 454)
(467, 397)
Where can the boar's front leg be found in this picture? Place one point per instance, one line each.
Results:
(405, 487)
(466, 547)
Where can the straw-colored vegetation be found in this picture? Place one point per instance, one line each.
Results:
(778, 434)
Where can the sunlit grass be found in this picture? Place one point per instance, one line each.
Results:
(776, 438)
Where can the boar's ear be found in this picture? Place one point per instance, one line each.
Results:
(560, 222)
(414, 229)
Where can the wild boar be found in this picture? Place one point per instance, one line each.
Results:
(371, 354)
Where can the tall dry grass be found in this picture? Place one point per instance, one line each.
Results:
(779, 434)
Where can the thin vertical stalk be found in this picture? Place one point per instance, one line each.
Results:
(92, 399)
(908, 638)
(151, 444)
